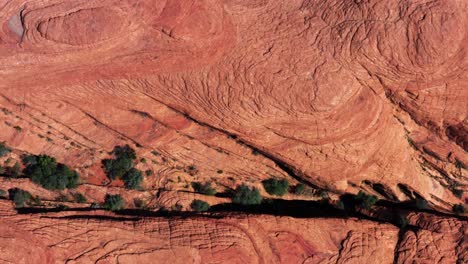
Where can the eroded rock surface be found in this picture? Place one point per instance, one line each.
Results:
(343, 95)
(75, 238)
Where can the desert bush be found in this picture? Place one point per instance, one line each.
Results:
(199, 206)
(114, 202)
(4, 150)
(204, 188)
(46, 172)
(275, 186)
(124, 152)
(79, 198)
(299, 189)
(62, 198)
(364, 200)
(132, 179)
(122, 167)
(123, 162)
(35, 200)
(19, 197)
(116, 168)
(246, 196)
(2, 193)
(14, 171)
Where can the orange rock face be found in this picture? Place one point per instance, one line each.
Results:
(63, 237)
(342, 95)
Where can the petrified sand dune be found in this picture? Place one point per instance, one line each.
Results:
(342, 95)
(233, 239)
(88, 238)
(320, 86)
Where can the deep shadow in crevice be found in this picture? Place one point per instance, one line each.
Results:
(292, 208)
(43, 210)
(411, 206)
(276, 207)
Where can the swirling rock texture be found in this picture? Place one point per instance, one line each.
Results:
(344, 95)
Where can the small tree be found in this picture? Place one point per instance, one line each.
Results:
(19, 197)
(116, 168)
(122, 167)
(275, 186)
(199, 206)
(132, 179)
(247, 196)
(114, 202)
(124, 152)
(45, 171)
(204, 188)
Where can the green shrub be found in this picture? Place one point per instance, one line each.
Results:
(2, 192)
(35, 200)
(62, 207)
(275, 186)
(46, 172)
(79, 198)
(116, 168)
(114, 202)
(246, 196)
(364, 200)
(199, 206)
(62, 198)
(149, 172)
(14, 171)
(458, 208)
(204, 188)
(122, 167)
(299, 189)
(4, 150)
(19, 197)
(132, 179)
(124, 152)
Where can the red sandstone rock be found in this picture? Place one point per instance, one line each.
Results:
(346, 95)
